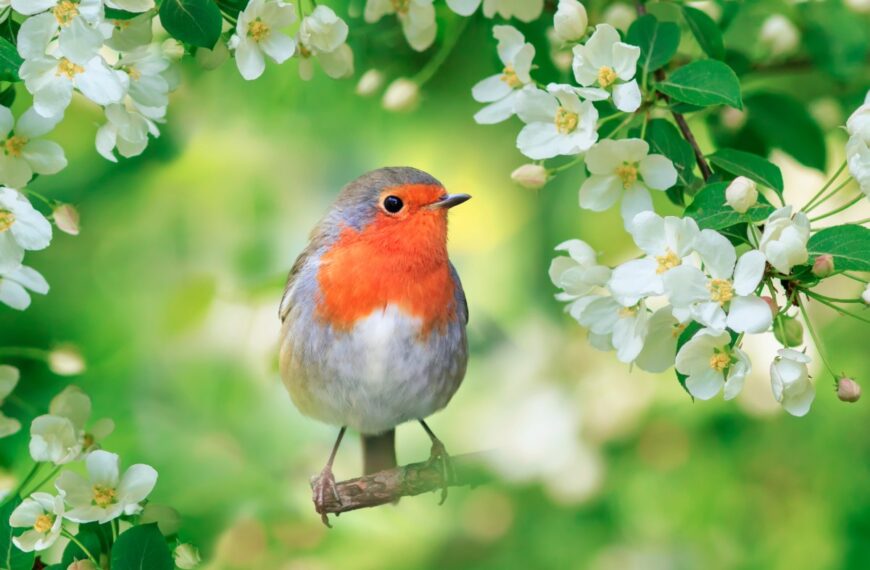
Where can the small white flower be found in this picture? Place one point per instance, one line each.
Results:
(54, 439)
(22, 227)
(730, 287)
(417, 18)
(858, 147)
(626, 327)
(23, 153)
(523, 10)
(557, 122)
(66, 360)
(9, 377)
(129, 35)
(604, 65)
(258, 33)
(858, 123)
(779, 34)
(741, 194)
(72, 403)
(624, 168)
(570, 20)
(16, 286)
(52, 80)
(578, 273)
(370, 82)
(790, 381)
(105, 495)
(322, 36)
(145, 68)
(80, 26)
(126, 129)
(42, 514)
(187, 556)
(710, 365)
(501, 90)
(784, 241)
(865, 296)
(666, 242)
(401, 95)
(660, 345)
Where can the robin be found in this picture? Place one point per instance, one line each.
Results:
(374, 315)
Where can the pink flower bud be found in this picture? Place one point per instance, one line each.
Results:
(531, 176)
(848, 390)
(823, 265)
(66, 218)
(774, 308)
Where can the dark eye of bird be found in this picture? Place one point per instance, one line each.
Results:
(393, 204)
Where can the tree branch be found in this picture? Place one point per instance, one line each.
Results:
(389, 486)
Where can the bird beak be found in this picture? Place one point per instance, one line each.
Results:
(449, 201)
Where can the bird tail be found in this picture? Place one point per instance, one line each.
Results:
(379, 452)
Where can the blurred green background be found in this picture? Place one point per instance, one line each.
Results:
(171, 294)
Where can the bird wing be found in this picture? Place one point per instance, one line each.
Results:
(459, 293)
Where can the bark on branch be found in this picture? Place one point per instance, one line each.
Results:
(389, 486)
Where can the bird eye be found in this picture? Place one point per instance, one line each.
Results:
(393, 204)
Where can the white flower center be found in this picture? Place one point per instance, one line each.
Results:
(721, 290)
(566, 121)
(134, 73)
(677, 330)
(303, 50)
(667, 261)
(401, 6)
(719, 361)
(43, 523)
(258, 30)
(7, 218)
(121, 24)
(509, 76)
(627, 312)
(627, 172)
(14, 145)
(65, 12)
(68, 68)
(606, 76)
(103, 495)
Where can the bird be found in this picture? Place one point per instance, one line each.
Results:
(373, 318)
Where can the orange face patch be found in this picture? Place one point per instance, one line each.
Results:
(399, 258)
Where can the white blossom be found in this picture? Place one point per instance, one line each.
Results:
(858, 147)
(711, 364)
(54, 439)
(16, 286)
(570, 20)
(126, 129)
(9, 377)
(604, 64)
(186, 556)
(23, 152)
(557, 121)
(579, 273)
(502, 89)
(779, 35)
(417, 18)
(523, 10)
(105, 494)
(784, 241)
(741, 194)
(145, 67)
(322, 36)
(42, 514)
(78, 25)
(72, 403)
(624, 168)
(790, 381)
(22, 227)
(258, 34)
(625, 327)
(129, 35)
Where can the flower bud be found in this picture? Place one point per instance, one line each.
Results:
(187, 556)
(66, 218)
(771, 302)
(370, 82)
(733, 119)
(848, 390)
(866, 294)
(402, 95)
(741, 194)
(779, 34)
(531, 176)
(210, 59)
(66, 360)
(172, 48)
(823, 265)
(788, 331)
(82, 565)
(570, 20)
(168, 520)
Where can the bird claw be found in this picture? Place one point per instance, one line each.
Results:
(439, 454)
(325, 480)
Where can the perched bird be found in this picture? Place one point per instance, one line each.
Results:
(374, 315)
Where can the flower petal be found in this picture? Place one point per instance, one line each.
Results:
(658, 172)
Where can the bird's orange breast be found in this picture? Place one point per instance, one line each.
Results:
(403, 263)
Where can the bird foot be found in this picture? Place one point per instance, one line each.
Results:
(439, 455)
(325, 482)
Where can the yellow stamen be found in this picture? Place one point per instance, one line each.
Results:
(721, 290)
(719, 361)
(303, 51)
(68, 68)
(677, 330)
(121, 24)
(401, 6)
(103, 496)
(606, 76)
(7, 218)
(628, 174)
(258, 30)
(65, 12)
(667, 261)
(134, 73)
(88, 441)
(509, 76)
(626, 312)
(14, 145)
(43, 523)
(566, 121)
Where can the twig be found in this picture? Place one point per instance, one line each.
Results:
(389, 486)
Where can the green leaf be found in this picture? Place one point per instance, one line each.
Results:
(664, 138)
(783, 122)
(7, 96)
(849, 244)
(836, 38)
(116, 14)
(141, 547)
(11, 558)
(711, 212)
(10, 61)
(196, 22)
(705, 82)
(706, 32)
(749, 165)
(658, 41)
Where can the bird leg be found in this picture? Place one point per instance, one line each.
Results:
(439, 454)
(326, 480)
